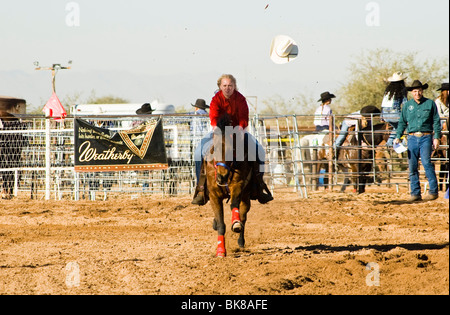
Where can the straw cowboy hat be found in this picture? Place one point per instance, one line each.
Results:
(417, 85)
(200, 103)
(397, 76)
(283, 49)
(326, 96)
(145, 109)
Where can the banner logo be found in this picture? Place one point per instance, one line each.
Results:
(105, 150)
(138, 139)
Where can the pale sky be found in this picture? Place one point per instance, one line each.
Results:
(175, 50)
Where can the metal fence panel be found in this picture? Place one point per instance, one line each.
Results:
(37, 158)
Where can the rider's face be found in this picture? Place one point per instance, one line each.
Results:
(227, 87)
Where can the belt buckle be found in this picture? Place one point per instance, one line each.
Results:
(418, 134)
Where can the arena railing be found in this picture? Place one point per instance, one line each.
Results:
(297, 159)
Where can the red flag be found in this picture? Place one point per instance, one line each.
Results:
(54, 108)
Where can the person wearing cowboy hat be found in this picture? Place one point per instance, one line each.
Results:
(323, 112)
(395, 95)
(364, 115)
(199, 126)
(442, 101)
(146, 109)
(200, 107)
(421, 119)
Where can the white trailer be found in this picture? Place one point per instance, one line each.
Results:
(119, 109)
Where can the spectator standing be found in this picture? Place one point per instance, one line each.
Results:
(200, 107)
(198, 125)
(323, 112)
(420, 118)
(394, 97)
(442, 105)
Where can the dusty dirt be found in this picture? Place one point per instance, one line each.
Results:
(331, 243)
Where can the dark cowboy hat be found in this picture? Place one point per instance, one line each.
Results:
(145, 109)
(326, 96)
(444, 86)
(417, 85)
(366, 111)
(200, 104)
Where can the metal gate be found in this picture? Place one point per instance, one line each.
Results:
(45, 169)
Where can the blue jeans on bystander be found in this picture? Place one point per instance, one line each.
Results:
(421, 147)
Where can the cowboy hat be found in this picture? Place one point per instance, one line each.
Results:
(326, 96)
(200, 103)
(283, 49)
(145, 109)
(417, 85)
(444, 86)
(366, 111)
(397, 76)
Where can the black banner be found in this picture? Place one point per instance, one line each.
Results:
(104, 150)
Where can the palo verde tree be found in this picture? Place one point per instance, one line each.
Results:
(368, 73)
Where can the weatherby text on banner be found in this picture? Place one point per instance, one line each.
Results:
(105, 150)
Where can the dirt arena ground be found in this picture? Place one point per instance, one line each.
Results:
(331, 243)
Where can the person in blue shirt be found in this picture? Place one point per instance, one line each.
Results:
(199, 126)
(200, 107)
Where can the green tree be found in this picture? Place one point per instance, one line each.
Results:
(369, 71)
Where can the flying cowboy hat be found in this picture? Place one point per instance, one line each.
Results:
(283, 49)
(200, 103)
(145, 109)
(417, 85)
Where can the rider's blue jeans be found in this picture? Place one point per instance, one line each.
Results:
(421, 147)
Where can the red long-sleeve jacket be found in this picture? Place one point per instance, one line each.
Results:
(236, 106)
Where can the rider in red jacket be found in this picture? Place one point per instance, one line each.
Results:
(235, 106)
(228, 100)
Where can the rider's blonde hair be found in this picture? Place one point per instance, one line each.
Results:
(227, 76)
